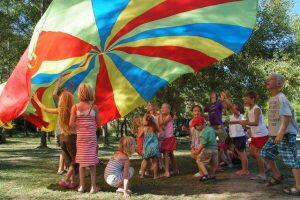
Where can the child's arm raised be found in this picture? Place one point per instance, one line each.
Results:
(126, 177)
(43, 107)
(73, 117)
(55, 92)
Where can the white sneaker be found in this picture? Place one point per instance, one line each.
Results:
(197, 175)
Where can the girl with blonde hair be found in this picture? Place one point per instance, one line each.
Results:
(67, 136)
(118, 171)
(85, 119)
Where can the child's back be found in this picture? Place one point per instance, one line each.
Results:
(208, 138)
(86, 135)
(151, 146)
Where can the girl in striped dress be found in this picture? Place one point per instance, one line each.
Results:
(118, 171)
(84, 117)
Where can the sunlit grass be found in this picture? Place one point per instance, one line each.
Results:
(30, 173)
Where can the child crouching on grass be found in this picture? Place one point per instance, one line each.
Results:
(208, 149)
(118, 171)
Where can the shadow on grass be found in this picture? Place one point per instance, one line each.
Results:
(33, 153)
(25, 161)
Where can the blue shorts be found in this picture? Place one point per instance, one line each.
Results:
(239, 143)
(287, 149)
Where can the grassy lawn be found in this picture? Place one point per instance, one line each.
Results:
(30, 173)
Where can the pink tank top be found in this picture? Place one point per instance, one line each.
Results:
(169, 130)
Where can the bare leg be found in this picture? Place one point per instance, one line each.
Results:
(69, 175)
(155, 167)
(167, 163)
(274, 169)
(172, 158)
(220, 156)
(296, 173)
(202, 168)
(143, 167)
(93, 176)
(61, 165)
(255, 152)
(244, 161)
(81, 176)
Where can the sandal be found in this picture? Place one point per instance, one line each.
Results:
(204, 178)
(274, 181)
(291, 191)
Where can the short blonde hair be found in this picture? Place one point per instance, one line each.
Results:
(127, 145)
(85, 92)
(279, 78)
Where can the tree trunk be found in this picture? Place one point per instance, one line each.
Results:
(125, 125)
(2, 136)
(105, 129)
(118, 128)
(25, 127)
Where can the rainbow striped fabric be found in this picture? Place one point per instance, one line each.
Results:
(125, 49)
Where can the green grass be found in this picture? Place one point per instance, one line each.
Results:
(30, 173)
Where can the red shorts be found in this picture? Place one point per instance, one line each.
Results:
(259, 142)
(222, 146)
(168, 144)
(139, 145)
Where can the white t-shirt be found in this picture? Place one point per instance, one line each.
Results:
(260, 130)
(279, 106)
(236, 130)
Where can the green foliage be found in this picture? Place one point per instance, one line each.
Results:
(17, 21)
(274, 46)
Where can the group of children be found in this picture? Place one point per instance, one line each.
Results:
(155, 141)
(212, 144)
(77, 124)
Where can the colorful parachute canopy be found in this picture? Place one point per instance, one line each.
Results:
(125, 49)
(7, 126)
